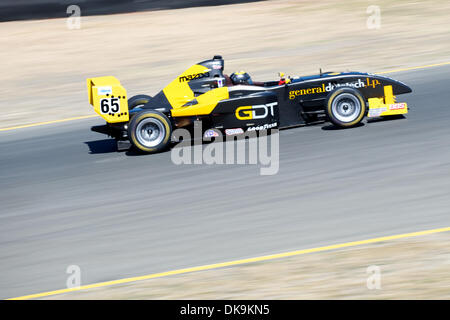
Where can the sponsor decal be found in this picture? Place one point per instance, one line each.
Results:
(251, 148)
(231, 132)
(260, 111)
(217, 66)
(190, 77)
(211, 133)
(331, 86)
(263, 127)
(376, 112)
(397, 106)
(104, 90)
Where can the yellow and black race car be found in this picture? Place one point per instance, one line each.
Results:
(235, 104)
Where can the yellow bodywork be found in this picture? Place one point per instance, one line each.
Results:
(206, 103)
(178, 93)
(108, 98)
(379, 107)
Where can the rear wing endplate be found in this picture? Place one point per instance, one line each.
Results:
(108, 98)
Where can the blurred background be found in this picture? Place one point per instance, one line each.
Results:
(118, 216)
(28, 9)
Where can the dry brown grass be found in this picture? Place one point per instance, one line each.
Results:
(413, 268)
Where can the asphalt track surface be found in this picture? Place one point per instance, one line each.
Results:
(68, 199)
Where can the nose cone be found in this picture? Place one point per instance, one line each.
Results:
(401, 88)
(398, 87)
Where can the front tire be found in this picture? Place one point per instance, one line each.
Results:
(346, 107)
(149, 131)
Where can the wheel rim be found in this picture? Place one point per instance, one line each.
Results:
(150, 132)
(346, 107)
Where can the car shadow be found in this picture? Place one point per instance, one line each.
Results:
(132, 152)
(102, 146)
(110, 145)
(387, 118)
(135, 153)
(331, 127)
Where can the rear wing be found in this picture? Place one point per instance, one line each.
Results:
(108, 98)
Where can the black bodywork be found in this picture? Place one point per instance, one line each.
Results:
(300, 102)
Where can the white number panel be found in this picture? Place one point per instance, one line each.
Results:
(110, 105)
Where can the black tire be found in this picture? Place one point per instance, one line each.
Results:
(149, 131)
(345, 107)
(138, 100)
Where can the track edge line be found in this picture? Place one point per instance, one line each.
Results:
(234, 263)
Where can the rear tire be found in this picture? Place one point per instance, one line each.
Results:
(346, 107)
(137, 101)
(149, 131)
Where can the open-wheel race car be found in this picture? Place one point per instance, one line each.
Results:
(236, 104)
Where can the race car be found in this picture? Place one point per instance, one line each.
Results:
(236, 104)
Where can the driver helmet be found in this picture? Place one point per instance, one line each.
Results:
(241, 77)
